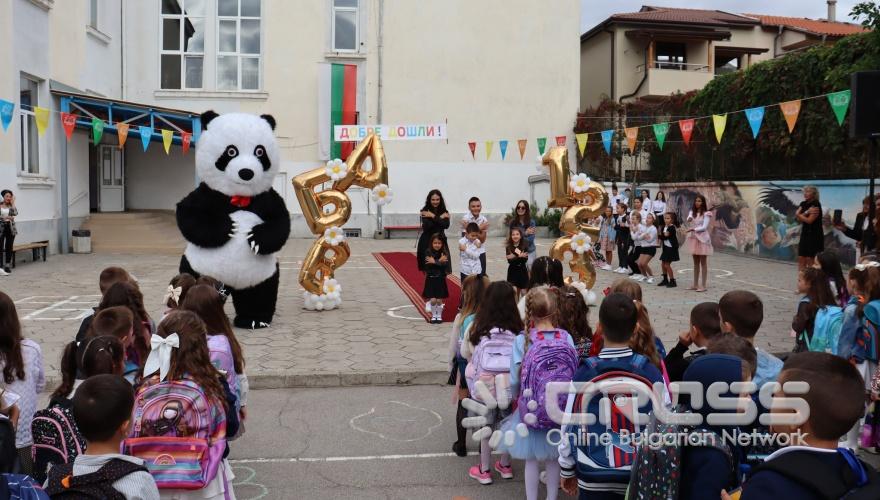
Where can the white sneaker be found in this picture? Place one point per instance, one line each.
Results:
(3, 273)
(606, 267)
(620, 270)
(637, 277)
(649, 281)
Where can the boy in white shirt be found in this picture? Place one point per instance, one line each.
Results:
(470, 246)
(475, 206)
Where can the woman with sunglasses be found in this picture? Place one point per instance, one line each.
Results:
(523, 221)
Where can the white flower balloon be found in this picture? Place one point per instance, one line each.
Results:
(580, 183)
(336, 169)
(334, 235)
(581, 243)
(382, 194)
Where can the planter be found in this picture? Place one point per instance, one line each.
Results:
(542, 232)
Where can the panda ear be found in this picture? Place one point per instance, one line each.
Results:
(269, 119)
(207, 116)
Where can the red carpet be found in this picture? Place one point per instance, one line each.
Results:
(404, 271)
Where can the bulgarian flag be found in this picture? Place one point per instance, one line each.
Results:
(337, 105)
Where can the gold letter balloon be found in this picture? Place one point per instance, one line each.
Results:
(581, 200)
(326, 211)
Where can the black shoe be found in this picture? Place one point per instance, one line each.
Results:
(6, 268)
(459, 449)
(664, 282)
(672, 284)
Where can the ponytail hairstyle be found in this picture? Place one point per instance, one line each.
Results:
(93, 356)
(574, 314)
(191, 360)
(129, 295)
(10, 341)
(642, 340)
(546, 271)
(184, 281)
(541, 303)
(497, 309)
(205, 301)
(217, 284)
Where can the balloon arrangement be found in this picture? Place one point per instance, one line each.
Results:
(582, 200)
(331, 251)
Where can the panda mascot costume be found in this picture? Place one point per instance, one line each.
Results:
(234, 222)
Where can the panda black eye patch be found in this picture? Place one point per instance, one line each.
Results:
(260, 153)
(228, 154)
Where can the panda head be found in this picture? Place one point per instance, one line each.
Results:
(237, 154)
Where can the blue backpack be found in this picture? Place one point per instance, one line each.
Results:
(20, 487)
(826, 329)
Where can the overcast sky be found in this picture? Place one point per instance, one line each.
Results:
(594, 12)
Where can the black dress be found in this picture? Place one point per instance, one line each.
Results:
(430, 227)
(669, 253)
(435, 278)
(517, 272)
(812, 237)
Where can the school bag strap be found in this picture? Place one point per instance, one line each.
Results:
(99, 484)
(857, 481)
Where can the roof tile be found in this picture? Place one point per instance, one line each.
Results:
(819, 27)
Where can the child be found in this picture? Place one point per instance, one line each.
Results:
(176, 292)
(435, 289)
(705, 327)
(816, 468)
(607, 236)
(618, 319)
(104, 349)
(517, 257)
(469, 246)
(195, 404)
(828, 262)
(813, 284)
(864, 285)
(223, 346)
(669, 238)
(643, 341)
(118, 322)
(532, 351)
(699, 240)
(648, 235)
(472, 290)
(739, 347)
(21, 362)
(546, 271)
(129, 295)
(574, 317)
(496, 322)
(108, 277)
(475, 206)
(637, 231)
(742, 313)
(623, 238)
(102, 409)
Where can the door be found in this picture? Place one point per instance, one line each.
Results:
(112, 171)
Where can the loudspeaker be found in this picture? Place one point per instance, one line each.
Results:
(865, 119)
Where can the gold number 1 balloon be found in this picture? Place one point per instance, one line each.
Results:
(579, 209)
(323, 259)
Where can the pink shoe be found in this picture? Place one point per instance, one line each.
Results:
(480, 476)
(505, 471)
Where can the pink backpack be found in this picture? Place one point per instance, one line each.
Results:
(178, 432)
(490, 360)
(221, 358)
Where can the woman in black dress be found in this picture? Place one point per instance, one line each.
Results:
(809, 213)
(517, 252)
(435, 221)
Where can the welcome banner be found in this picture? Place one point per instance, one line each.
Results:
(401, 132)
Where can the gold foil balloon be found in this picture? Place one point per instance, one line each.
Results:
(557, 160)
(323, 259)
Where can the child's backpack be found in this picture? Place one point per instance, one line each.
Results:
(859, 481)
(656, 472)
(868, 340)
(178, 432)
(63, 485)
(610, 460)
(549, 358)
(221, 358)
(826, 329)
(57, 440)
(21, 487)
(491, 359)
(9, 461)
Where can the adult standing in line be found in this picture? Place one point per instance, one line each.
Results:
(812, 241)
(659, 207)
(698, 241)
(647, 204)
(523, 221)
(7, 230)
(435, 220)
(860, 232)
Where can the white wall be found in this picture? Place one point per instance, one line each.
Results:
(154, 180)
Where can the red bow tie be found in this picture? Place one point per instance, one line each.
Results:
(240, 201)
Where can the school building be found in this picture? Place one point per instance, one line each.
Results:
(488, 71)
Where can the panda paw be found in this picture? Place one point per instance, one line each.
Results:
(254, 246)
(234, 230)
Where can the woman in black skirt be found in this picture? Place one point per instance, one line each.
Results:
(435, 220)
(669, 244)
(812, 241)
(517, 258)
(436, 261)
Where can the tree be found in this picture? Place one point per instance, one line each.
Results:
(870, 11)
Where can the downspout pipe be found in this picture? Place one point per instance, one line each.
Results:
(776, 42)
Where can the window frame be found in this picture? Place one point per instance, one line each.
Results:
(181, 50)
(357, 27)
(93, 14)
(26, 118)
(238, 54)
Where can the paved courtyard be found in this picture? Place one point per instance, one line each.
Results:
(376, 336)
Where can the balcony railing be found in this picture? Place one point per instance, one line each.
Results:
(677, 66)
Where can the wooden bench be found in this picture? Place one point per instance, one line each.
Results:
(35, 247)
(388, 229)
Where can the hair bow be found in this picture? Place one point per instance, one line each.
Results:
(160, 355)
(864, 266)
(173, 293)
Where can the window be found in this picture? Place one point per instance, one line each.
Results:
(93, 14)
(30, 138)
(182, 44)
(345, 26)
(671, 56)
(238, 44)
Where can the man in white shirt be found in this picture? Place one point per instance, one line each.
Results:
(475, 206)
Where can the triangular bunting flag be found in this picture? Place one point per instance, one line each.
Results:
(185, 140)
(720, 121)
(687, 129)
(840, 103)
(146, 135)
(68, 121)
(660, 131)
(632, 135)
(542, 143)
(502, 145)
(122, 133)
(6, 109)
(522, 143)
(790, 110)
(97, 130)
(581, 140)
(560, 140)
(489, 146)
(755, 117)
(473, 147)
(607, 135)
(167, 136)
(42, 117)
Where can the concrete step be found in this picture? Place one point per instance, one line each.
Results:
(135, 233)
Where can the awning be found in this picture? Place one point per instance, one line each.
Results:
(677, 35)
(740, 50)
(113, 111)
